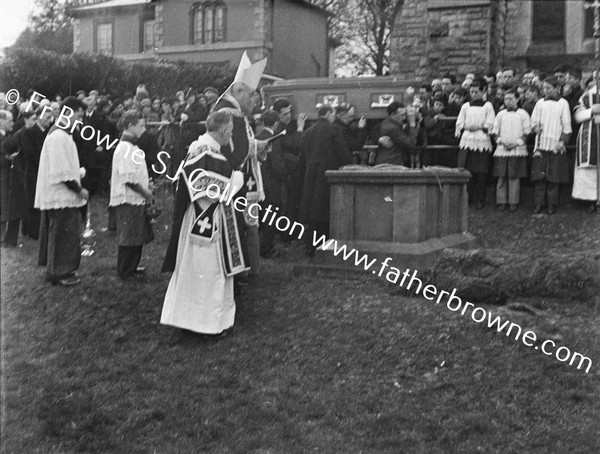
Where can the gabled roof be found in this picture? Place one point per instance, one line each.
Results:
(307, 4)
(111, 4)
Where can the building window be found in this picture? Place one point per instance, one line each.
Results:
(208, 21)
(197, 25)
(208, 25)
(219, 23)
(148, 35)
(589, 19)
(104, 38)
(548, 21)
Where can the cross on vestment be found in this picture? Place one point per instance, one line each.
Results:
(250, 184)
(204, 224)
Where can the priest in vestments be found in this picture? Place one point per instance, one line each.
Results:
(585, 180)
(204, 251)
(239, 101)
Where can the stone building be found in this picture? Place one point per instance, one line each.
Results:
(432, 37)
(292, 33)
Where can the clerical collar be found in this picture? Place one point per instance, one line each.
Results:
(129, 138)
(478, 102)
(211, 141)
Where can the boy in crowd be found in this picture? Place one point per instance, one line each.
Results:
(475, 122)
(511, 128)
(530, 98)
(434, 131)
(551, 121)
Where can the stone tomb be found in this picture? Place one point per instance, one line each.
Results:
(409, 215)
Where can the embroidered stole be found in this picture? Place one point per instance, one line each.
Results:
(219, 217)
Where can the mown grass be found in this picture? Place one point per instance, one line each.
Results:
(314, 364)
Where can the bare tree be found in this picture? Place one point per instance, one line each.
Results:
(49, 27)
(365, 28)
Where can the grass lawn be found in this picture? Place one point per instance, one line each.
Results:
(314, 364)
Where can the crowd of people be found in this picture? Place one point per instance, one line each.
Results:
(504, 125)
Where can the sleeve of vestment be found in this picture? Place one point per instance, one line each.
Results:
(462, 117)
(61, 166)
(497, 124)
(490, 116)
(565, 117)
(526, 122)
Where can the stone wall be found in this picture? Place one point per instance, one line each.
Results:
(430, 41)
(432, 37)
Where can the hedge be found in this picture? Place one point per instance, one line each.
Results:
(50, 73)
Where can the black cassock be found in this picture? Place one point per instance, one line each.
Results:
(324, 148)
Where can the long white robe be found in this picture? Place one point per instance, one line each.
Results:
(200, 294)
(585, 186)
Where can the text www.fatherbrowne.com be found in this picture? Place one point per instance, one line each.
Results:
(453, 302)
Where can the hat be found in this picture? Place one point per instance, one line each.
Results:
(211, 90)
(250, 73)
(103, 103)
(145, 102)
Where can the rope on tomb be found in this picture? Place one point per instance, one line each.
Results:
(386, 167)
(432, 170)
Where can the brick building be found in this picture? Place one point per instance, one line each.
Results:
(462, 36)
(214, 32)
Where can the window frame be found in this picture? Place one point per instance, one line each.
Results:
(199, 33)
(587, 11)
(544, 39)
(97, 25)
(144, 36)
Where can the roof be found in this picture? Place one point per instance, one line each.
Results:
(111, 4)
(307, 4)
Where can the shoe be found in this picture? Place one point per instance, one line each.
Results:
(501, 207)
(551, 209)
(513, 208)
(537, 209)
(67, 282)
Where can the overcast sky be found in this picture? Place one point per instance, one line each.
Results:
(13, 19)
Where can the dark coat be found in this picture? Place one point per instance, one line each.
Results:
(32, 142)
(273, 171)
(354, 136)
(403, 142)
(324, 148)
(17, 208)
(94, 159)
(4, 180)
